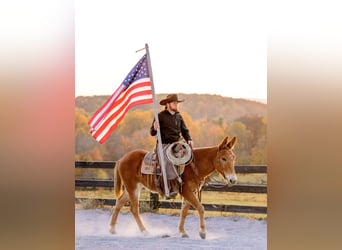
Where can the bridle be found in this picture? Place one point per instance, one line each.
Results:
(198, 178)
(220, 169)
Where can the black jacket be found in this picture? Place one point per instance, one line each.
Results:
(171, 127)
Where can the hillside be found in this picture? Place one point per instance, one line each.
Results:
(208, 117)
(198, 106)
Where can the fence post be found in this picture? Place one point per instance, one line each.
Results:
(154, 201)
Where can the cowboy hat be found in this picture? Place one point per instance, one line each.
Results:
(170, 98)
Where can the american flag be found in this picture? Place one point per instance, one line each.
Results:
(134, 90)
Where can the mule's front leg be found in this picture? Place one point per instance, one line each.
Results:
(202, 231)
(184, 213)
(192, 199)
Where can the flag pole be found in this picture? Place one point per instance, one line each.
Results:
(159, 144)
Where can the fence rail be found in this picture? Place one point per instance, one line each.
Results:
(241, 169)
(177, 205)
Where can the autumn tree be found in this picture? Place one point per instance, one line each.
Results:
(242, 147)
(209, 119)
(86, 148)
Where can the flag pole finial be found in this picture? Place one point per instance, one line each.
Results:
(139, 50)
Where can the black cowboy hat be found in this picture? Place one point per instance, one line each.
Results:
(170, 98)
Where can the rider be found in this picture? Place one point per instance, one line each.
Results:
(172, 126)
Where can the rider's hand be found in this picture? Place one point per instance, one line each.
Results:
(156, 125)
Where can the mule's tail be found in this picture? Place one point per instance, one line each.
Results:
(117, 181)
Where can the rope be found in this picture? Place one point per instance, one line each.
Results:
(181, 160)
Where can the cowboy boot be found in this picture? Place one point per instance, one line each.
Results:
(174, 188)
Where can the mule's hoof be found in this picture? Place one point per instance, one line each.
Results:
(185, 235)
(145, 233)
(112, 230)
(202, 235)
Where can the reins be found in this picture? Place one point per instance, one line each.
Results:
(197, 176)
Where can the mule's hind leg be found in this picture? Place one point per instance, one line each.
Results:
(120, 202)
(134, 197)
(184, 213)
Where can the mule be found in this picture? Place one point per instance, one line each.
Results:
(127, 172)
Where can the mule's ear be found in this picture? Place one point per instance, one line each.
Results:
(223, 143)
(231, 143)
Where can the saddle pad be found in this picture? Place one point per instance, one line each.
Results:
(149, 164)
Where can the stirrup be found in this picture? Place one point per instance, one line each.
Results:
(172, 195)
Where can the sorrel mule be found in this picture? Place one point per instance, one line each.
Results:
(127, 172)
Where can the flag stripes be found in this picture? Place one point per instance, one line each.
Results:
(100, 114)
(137, 93)
(135, 90)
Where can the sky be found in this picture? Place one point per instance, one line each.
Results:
(196, 46)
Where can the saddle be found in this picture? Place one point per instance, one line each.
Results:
(178, 155)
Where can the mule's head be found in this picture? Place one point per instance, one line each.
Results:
(226, 160)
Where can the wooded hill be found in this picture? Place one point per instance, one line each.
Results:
(208, 117)
(198, 106)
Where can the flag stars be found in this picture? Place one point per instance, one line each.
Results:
(139, 71)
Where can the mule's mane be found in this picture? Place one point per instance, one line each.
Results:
(212, 147)
(205, 162)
